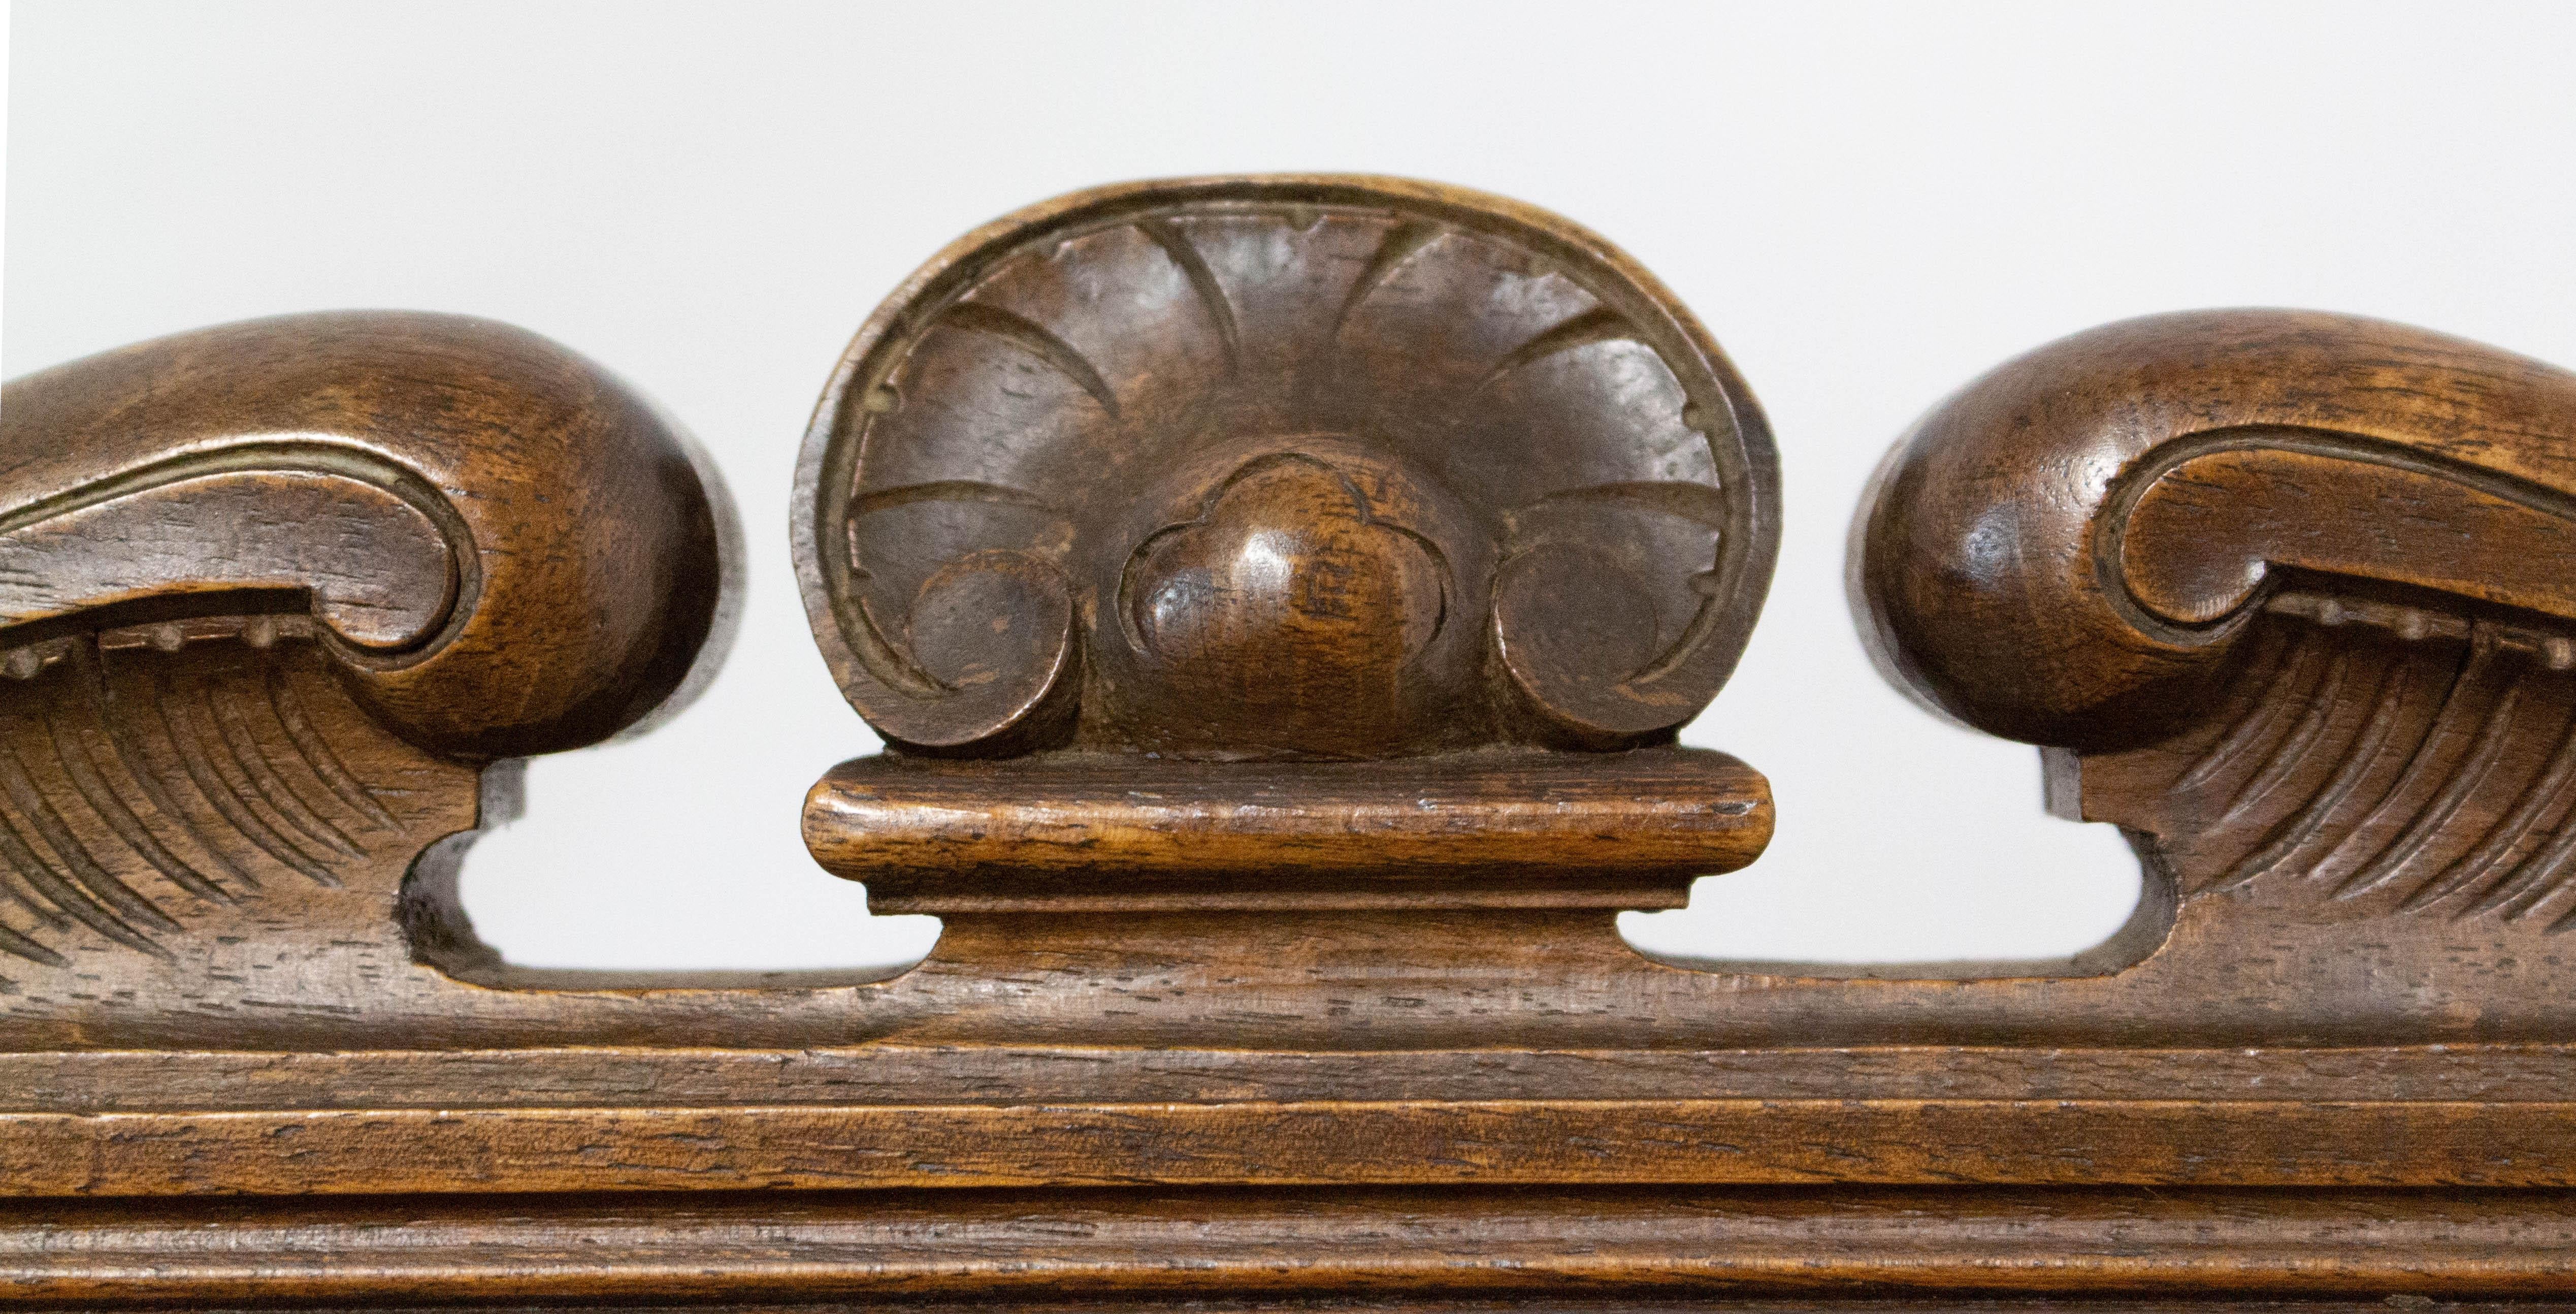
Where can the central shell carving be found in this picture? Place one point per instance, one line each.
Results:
(1291, 467)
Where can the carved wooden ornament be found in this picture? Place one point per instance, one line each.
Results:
(1284, 467)
(1279, 597)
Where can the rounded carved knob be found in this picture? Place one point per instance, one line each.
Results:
(1292, 614)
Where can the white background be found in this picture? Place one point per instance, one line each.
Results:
(1866, 204)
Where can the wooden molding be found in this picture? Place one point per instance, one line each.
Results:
(1280, 596)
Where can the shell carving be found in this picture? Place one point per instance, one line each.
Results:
(1289, 467)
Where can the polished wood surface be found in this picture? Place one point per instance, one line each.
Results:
(273, 590)
(1562, 1249)
(1283, 467)
(2293, 607)
(1126, 834)
(1279, 596)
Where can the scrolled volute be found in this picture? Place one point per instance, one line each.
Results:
(2069, 550)
(503, 547)
(1287, 467)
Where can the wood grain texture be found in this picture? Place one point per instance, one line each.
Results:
(1244, 1142)
(270, 594)
(2290, 604)
(2068, 551)
(1280, 594)
(1282, 467)
(1558, 1249)
(1084, 833)
(1166, 479)
(313, 456)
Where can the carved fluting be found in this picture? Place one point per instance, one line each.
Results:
(1454, 470)
(2293, 588)
(151, 776)
(2395, 760)
(268, 593)
(1323, 1003)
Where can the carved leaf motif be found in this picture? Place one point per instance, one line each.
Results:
(2397, 761)
(2293, 588)
(142, 788)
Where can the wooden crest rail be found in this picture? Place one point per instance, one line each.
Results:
(1280, 596)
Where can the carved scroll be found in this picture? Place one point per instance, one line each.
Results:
(1284, 467)
(1175, 478)
(1279, 596)
(2297, 591)
(268, 594)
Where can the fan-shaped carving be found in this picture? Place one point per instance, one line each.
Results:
(256, 580)
(1400, 409)
(2383, 757)
(155, 774)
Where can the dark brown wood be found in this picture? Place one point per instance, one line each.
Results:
(2294, 608)
(1102, 833)
(1198, 482)
(1553, 1249)
(272, 590)
(502, 546)
(1280, 596)
(2071, 550)
(1283, 467)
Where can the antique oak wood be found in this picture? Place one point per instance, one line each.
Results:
(1280, 596)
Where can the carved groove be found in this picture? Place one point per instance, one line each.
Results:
(223, 707)
(2425, 766)
(1277, 337)
(2112, 547)
(1037, 342)
(2463, 780)
(111, 894)
(206, 773)
(102, 800)
(317, 755)
(2539, 879)
(1701, 504)
(2474, 871)
(95, 791)
(2282, 666)
(1400, 245)
(2293, 748)
(2388, 706)
(25, 897)
(292, 457)
(1202, 281)
(121, 730)
(943, 490)
(58, 892)
(33, 951)
(1600, 324)
(2430, 768)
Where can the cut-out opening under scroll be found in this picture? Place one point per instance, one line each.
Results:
(586, 877)
(1906, 847)
(1670, 938)
(574, 950)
